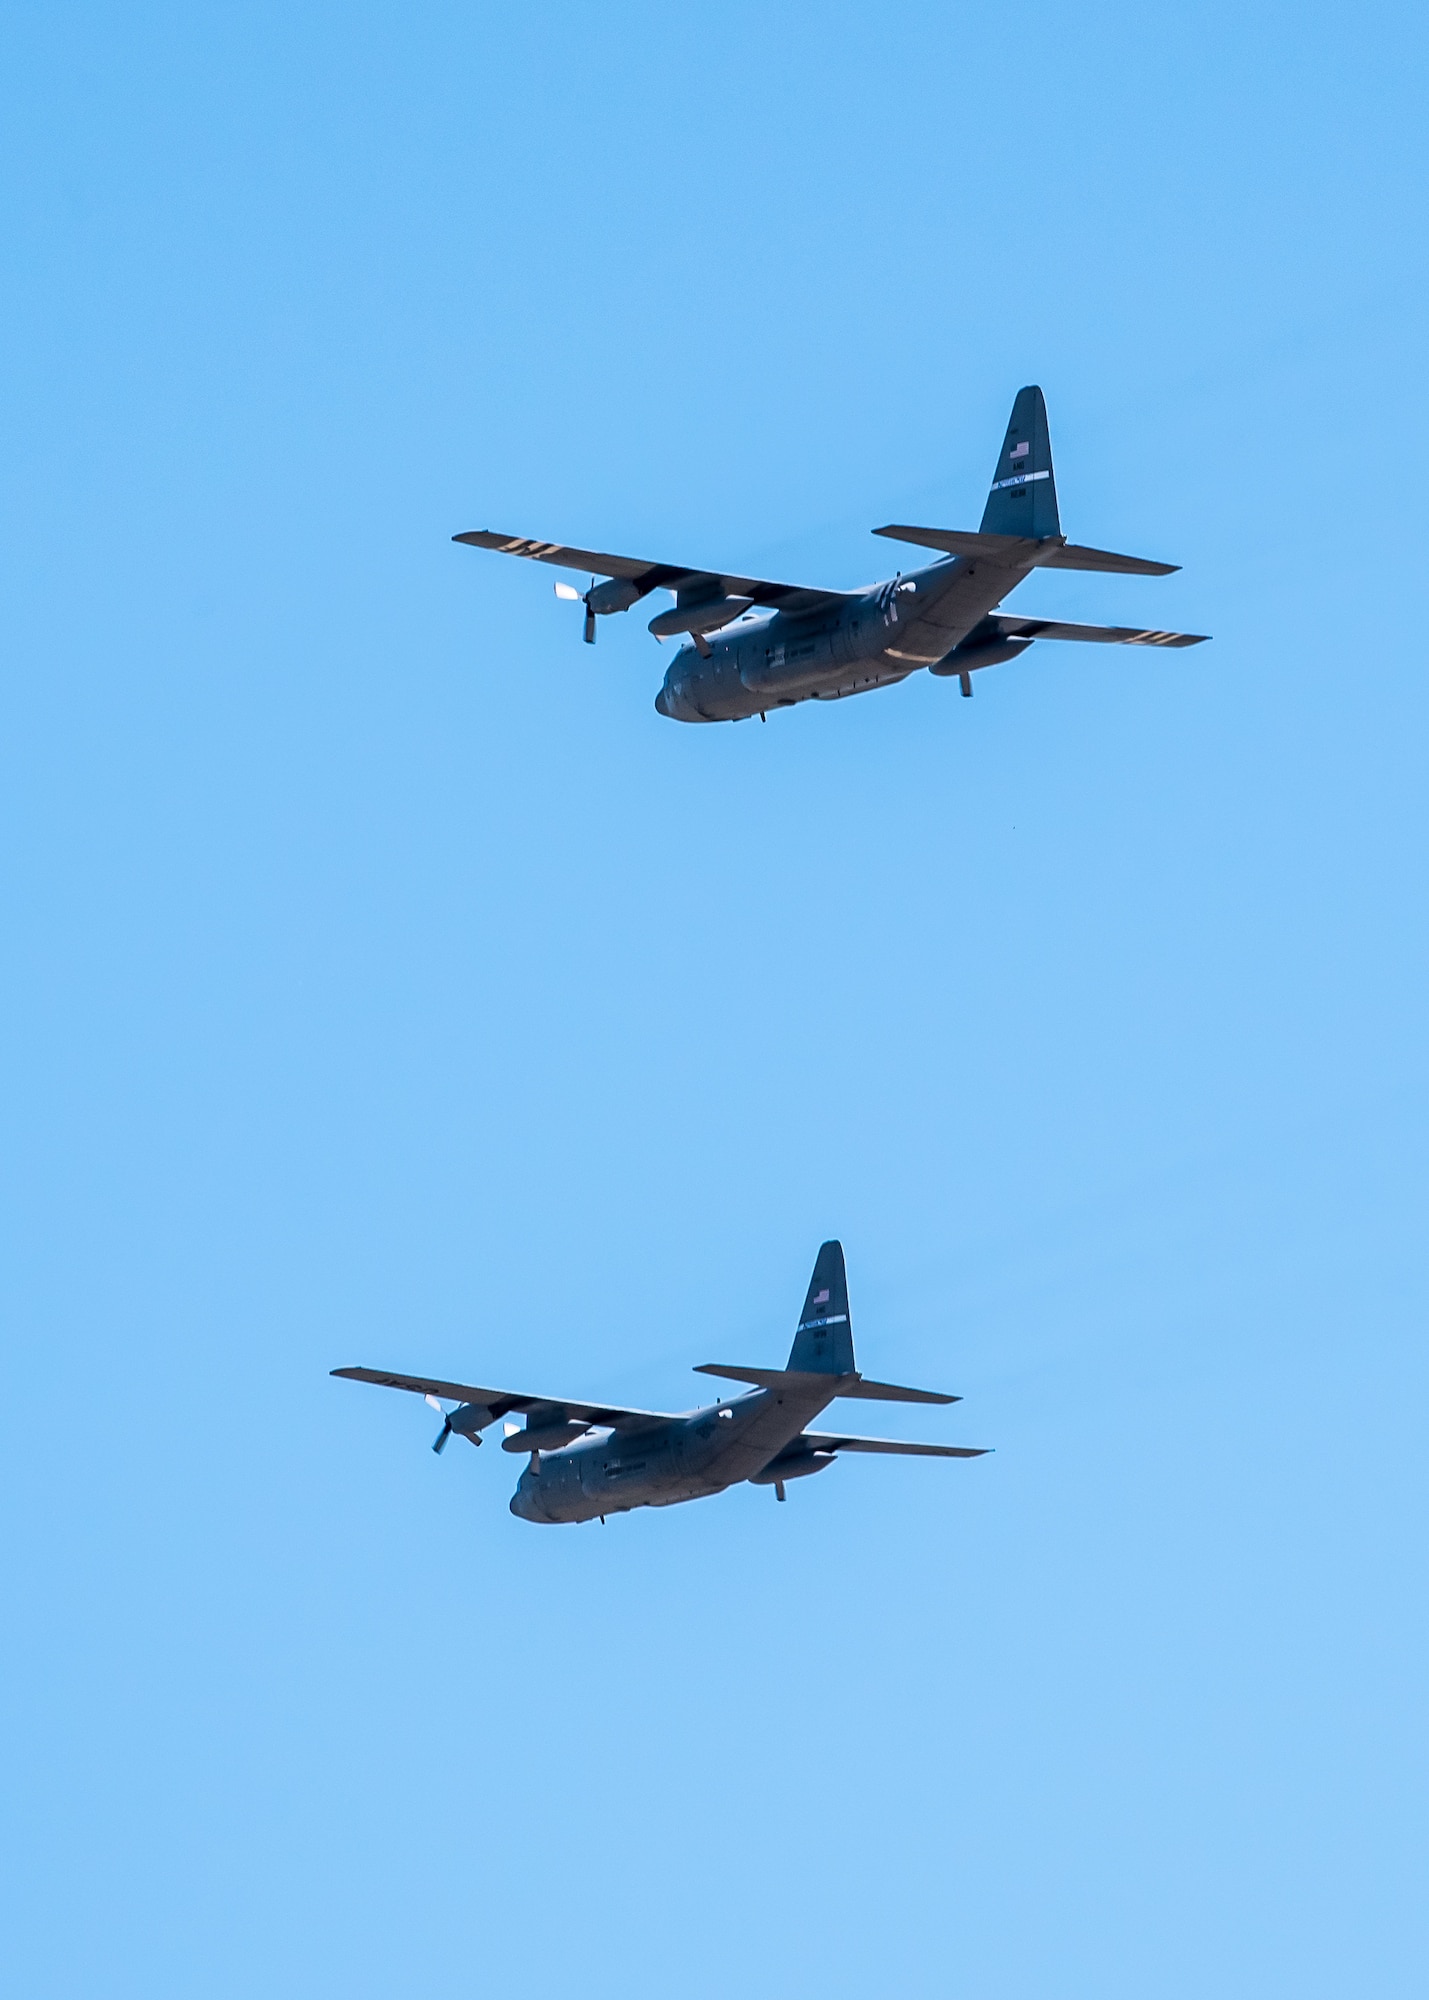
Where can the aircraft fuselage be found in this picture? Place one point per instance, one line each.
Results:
(891, 630)
(685, 1458)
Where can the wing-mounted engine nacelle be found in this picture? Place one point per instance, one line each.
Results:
(797, 1466)
(705, 614)
(543, 1437)
(468, 1421)
(967, 659)
(617, 593)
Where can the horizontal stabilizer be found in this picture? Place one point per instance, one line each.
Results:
(1020, 551)
(890, 1392)
(816, 1441)
(1011, 549)
(1073, 556)
(849, 1385)
(771, 1378)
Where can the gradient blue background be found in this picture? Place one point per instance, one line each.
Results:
(387, 983)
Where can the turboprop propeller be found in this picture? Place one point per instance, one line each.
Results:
(570, 595)
(616, 593)
(467, 1420)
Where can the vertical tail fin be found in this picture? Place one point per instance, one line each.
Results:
(1023, 500)
(823, 1344)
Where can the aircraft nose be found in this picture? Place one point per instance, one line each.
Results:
(662, 706)
(525, 1503)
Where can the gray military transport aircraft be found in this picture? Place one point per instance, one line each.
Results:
(588, 1460)
(776, 644)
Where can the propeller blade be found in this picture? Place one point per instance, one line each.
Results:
(589, 626)
(569, 592)
(442, 1435)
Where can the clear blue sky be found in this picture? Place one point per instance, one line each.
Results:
(386, 982)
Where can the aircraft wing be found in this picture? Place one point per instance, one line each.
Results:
(646, 575)
(818, 1441)
(1107, 635)
(550, 1409)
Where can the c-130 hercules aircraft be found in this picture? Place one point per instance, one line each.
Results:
(778, 644)
(588, 1460)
